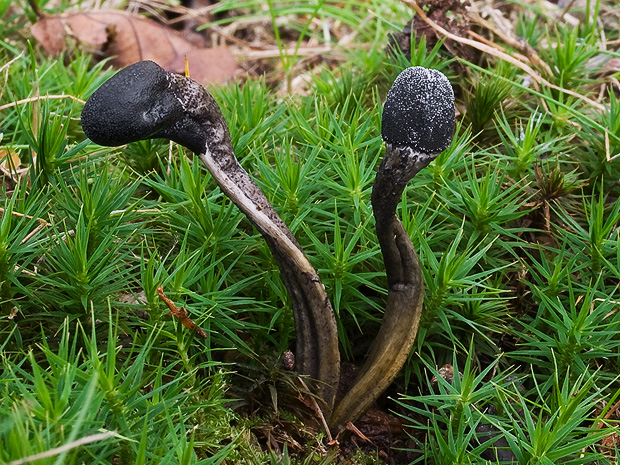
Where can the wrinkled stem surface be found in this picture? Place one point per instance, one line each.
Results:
(204, 130)
(393, 343)
(317, 352)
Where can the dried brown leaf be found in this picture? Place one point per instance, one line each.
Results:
(130, 38)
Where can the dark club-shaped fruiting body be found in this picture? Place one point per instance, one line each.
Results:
(132, 105)
(419, 111)
(144, 101)
(417, 124)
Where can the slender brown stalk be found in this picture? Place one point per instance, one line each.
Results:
(417, 124)
(144, 101)
(403, 309)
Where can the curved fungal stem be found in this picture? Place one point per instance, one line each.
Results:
(143, 101)
(417, 124)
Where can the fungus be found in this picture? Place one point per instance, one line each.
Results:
(144, 101)
(417, 124)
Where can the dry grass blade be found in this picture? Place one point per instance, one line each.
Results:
(40, 97)
(511, 40)
(536, 77)
(65, 448)
(317, 409)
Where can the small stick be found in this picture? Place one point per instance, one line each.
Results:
(42, 224)
(351, 427)
(66, 447)
(5, 67)
(181, 314)
(22, 215)
(490, 43)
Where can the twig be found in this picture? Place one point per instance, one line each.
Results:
(11, 61)
(146, 210)
(42, 224)
(351, 427)
(22, 215)
(608, 415)
(37, 9)
(496, 46)
(567, 8)
(538, 79)
(181, 314)
(34, 232)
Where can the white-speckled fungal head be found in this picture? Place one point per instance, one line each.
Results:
(419, 111)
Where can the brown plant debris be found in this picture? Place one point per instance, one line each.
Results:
(451, 15)
(181, 314)
(128, 38)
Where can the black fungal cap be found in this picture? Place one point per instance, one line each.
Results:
(134, 104)
(419, 111)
